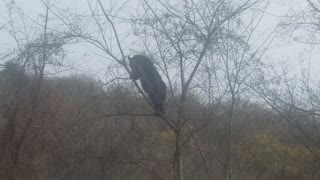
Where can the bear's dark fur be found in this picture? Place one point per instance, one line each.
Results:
(142, 68)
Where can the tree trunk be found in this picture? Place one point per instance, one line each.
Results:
(178, 161)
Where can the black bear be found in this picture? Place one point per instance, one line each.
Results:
(142, 68)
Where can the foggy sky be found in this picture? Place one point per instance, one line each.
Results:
(88, 61)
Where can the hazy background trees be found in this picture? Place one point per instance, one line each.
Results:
(232, 112)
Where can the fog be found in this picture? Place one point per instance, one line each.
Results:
(159, 89)
(85, 59)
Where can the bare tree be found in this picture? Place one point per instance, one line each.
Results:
(31, 57)
(177, 34)
(294, 94)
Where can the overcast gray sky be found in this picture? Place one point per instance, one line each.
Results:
(87, 61)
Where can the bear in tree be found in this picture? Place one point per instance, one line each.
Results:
(142, 68)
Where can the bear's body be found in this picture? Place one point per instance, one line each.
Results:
(142, 68)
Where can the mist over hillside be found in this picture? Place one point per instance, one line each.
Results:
(183, 90)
